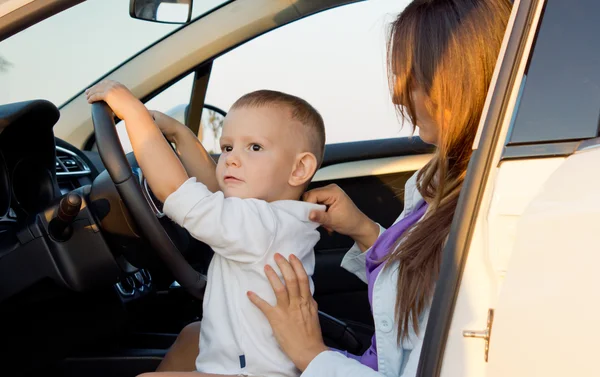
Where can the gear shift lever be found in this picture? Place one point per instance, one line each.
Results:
(68, 209)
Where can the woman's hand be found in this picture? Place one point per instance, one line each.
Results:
(122, 102)
(342, 215)
(294, 319)
(171, 128)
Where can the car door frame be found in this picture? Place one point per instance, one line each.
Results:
(488, 147)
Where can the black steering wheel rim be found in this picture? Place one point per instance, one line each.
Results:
(127, 184)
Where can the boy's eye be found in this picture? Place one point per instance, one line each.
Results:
(227, 148)
(256, 147)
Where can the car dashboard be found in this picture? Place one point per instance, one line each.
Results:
(35, 168)
(36, 171)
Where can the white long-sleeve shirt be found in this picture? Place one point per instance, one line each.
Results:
(245, 234)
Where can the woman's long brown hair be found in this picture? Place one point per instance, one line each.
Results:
(448, 49)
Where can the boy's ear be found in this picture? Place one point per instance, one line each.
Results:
(305, 167)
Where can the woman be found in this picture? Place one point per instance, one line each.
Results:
(441, 55)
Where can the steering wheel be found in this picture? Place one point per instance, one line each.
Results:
(129, 188)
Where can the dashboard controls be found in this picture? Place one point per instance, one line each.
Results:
(135, 285)
(126, 287)
(69, 164)
(147, 278)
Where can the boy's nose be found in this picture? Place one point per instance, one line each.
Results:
(232, 160)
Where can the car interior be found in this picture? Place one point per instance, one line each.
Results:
(96, 281)
(86, 289)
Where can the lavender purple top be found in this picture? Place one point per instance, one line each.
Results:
(374, 256)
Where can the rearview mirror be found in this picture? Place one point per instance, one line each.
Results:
(164, 11)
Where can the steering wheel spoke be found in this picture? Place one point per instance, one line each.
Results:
(155, 204)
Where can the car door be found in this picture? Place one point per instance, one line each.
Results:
(517, 294)
(549, 290)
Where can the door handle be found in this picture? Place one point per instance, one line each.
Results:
(483, 334)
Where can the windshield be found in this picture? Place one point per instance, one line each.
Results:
(60, 56)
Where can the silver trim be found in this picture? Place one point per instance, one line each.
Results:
(144, 278)
(86, 170)
(589, 144)
(140, 281)
(147, 277)
(138, 276)
(146, 191)
(122, 291)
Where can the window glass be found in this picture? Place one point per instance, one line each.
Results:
(561, 98)
(336, 60)
(63, 54)
(174, 101)
(171, 101)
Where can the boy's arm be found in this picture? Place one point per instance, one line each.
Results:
(238, 229)
(160, 165)
(196, 160)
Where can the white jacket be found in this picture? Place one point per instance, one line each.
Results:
(393, 360)
(235, 336)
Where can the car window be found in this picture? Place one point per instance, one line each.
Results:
(335, 60)
(559, 96)
(58, 57)
(174, 101)
(171, 101)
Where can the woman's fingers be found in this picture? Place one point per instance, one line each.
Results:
(280, 290)
(317, 196)
(296, 325)
(303, 282)
(261, 304)
(310, 196)
(289, 276)
(320, 217)
(324, 195)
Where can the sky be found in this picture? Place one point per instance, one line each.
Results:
(335, 60)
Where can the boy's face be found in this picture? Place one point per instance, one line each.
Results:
(259, 148)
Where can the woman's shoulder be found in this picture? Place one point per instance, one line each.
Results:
(412, 196)
(411, 184)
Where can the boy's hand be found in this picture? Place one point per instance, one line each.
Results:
(122, 102)
(170, 127)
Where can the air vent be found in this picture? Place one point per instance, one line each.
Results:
(69, 164)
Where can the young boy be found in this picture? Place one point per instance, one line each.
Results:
(246, 209)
